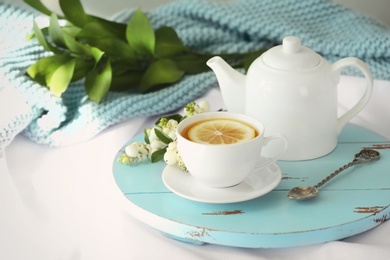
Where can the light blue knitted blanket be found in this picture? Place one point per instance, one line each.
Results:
(238, 26)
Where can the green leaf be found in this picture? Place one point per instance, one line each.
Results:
(43, 69)
(119, 29)
(160, 72)
(115, 48)
(98, 36)
(82, 67)
(146, 137)
(32, 35)
(94, 30)
(128, 81)
(158, 155)
(96, 54)
(74, 12)
(105, 40)
(125, 66)
(75, 46)
(61, 77)
(42, 40)
(71, 30)
(38, 5)
(98, 80)
(176, 117)
(168, 43)
(55, 31)
(140, 34)
(192, 64)
(163, 137)
(249, 59)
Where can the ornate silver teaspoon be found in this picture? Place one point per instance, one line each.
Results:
(307, 192)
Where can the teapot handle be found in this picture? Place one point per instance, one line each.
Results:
(357, 63)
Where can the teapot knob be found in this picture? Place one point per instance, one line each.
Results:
(291, 44)
(291, 55)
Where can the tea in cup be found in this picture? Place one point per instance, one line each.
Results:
(221, 149)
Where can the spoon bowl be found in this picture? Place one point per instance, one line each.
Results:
(302, 193)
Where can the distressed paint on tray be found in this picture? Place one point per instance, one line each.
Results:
(355, 201)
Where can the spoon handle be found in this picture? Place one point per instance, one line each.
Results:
(364, 156)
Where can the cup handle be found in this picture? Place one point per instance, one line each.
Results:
(354, 62)
(277, 156)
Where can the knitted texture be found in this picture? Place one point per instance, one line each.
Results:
(236, 26)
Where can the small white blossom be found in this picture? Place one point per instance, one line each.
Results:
(204, 106)
(192, 108)
(152, 135)
(172, 146)
(157, 144)
(142, 150)
(172, 135)
(132, 149)
(189, 109)
(166, 130)
(180, 163)
(172, 123)
(136, 151)
(170, 157)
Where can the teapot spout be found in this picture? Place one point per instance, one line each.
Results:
(231, 83)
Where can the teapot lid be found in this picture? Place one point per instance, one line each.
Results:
(291, 55)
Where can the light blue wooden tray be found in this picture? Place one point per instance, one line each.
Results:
(355, 201)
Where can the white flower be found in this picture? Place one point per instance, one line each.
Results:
(172, 135)
(170, 157)
(142, 150)
(180, 163)
(152, 135)
(172, 124)
(132, 149)
(203, 106)
(172, 146)
(156, 144)
(166, 130)
(142, 157)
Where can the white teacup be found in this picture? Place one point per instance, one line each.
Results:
(225, 165)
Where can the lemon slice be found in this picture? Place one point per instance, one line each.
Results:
(221, 131)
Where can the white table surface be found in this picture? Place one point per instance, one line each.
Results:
(63, 203)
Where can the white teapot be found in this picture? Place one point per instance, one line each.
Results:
(293, 91)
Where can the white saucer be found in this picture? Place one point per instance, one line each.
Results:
(255, 185)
